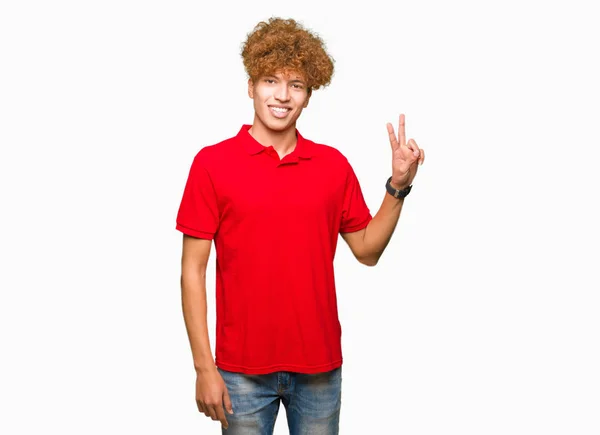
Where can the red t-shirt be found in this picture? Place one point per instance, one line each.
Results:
(275, 224)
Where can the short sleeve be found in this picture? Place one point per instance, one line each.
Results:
(198, 214)
(355, 213)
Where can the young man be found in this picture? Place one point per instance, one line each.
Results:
(274, 204)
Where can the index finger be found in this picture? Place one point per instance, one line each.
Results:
(221, 415)
(401, 131)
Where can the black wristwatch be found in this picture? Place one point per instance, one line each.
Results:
(395, 192)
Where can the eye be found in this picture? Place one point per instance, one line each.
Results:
(269, 80)
(298, 86)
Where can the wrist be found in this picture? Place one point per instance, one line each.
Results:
(398, 191)
(399, 185)
(204, 367)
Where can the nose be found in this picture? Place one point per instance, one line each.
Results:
(282, 93)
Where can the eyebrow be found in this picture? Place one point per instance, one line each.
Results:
(291, 81)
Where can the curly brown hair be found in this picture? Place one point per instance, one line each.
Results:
(286, 46)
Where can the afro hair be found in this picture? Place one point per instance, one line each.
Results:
(281, 45)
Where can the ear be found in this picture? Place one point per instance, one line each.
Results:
(250, 88)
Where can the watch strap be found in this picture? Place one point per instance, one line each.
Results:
(396, 193)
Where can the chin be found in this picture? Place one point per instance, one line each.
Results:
(276, 125)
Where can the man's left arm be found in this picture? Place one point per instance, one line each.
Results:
(368, 244)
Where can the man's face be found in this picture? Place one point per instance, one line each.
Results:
(279, 99)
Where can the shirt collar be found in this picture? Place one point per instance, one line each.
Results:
(252, 146)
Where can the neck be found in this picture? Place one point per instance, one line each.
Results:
(284, 141)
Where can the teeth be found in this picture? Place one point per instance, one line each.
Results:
(280, 109)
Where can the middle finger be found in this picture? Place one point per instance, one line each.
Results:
(221, 416)
(401, 131)
(212, 413)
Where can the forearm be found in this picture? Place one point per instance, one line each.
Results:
(379, 231)
(406, 158)
(193, 298)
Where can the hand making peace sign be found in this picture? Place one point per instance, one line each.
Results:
(405, 156)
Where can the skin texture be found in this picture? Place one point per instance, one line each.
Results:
(279, 89)
(211, 393)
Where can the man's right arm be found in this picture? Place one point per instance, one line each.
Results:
(194, 261)
(212, 396)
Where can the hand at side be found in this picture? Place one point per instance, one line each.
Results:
(212, 396)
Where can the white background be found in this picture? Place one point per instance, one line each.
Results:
(482, 315)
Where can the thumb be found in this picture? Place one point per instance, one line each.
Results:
(227, 402)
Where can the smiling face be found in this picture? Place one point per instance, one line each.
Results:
(279, 99)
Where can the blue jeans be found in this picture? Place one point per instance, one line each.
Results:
(312, 402)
